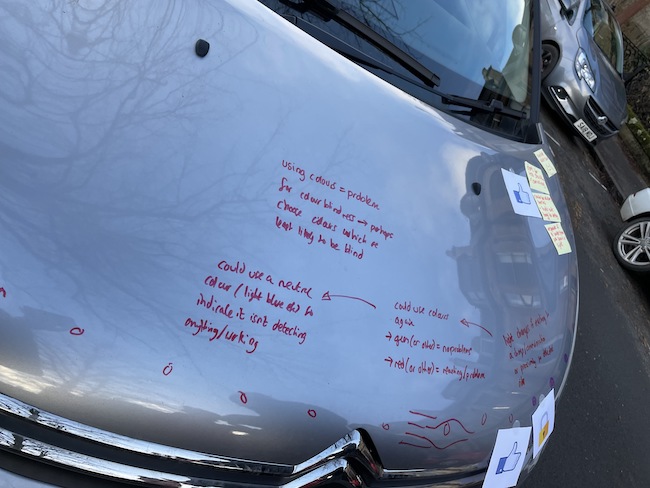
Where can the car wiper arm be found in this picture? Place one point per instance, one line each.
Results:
(354, 54)
(326, 10)
(491, 106)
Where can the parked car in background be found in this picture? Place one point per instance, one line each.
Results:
(632, 242)
(278, 244)
(582, 66)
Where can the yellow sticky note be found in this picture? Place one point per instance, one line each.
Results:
(547, 208)
(546, 162)
(558, 237)
(536, 178)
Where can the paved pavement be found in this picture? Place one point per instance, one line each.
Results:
(614, 156)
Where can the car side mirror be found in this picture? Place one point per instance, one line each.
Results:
(568, 12)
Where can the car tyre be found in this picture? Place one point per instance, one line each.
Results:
(632, 245)
(550, 57)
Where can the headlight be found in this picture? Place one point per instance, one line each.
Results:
(583, 69)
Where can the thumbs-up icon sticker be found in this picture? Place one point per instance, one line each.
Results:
(509, 462)
(522, 196)
(508, 457)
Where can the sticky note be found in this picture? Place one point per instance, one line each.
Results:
(543, 422)
(508, 458)
(558, 237)
(547, 208)
(536, 178)
(546, 162)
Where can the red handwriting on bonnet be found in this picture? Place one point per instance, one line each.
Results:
(524, 345)
(295, 217)
(223, 334)
(420, 437)
(231, 306)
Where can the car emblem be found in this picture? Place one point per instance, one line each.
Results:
(602, 120)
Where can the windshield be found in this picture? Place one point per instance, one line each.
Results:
(463, 40)
(479, 49)
(604, 28)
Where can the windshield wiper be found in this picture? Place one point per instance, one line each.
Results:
(327, 11)
(353, 53)
(491, 106)
(358, 56)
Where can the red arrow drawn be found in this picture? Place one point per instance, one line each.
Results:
(328, 297)
(363, 222)
(467, 323)
(389, 336)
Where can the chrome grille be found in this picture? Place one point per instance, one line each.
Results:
(43, 437)
(592, 113)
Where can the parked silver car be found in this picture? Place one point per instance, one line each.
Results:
(582, 66)
(281, 244)
(632, 242)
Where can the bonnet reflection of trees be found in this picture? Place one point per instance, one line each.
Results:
(97, 111)
(91, 209)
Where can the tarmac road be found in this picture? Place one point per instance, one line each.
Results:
(601, 436)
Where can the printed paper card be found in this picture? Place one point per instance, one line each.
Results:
(543, 422)
(536, 178)
(547, 208)
(558, 237)
(508, 458)
(546, 162)
(520, 194)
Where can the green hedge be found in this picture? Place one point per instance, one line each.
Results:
(640, 132)
(641, 135)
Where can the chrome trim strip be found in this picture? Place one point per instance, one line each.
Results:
(87, 464)
(335, 470)
(109, 439)
(350, 446)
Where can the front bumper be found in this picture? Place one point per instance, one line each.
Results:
(41, 445)
(576, 104)
(636, 204)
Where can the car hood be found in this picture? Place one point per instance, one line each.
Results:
(256, 252)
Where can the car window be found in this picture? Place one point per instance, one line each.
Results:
(479, 50)
(604, 28)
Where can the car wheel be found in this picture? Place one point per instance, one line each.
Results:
(632, 245)
(550, 57)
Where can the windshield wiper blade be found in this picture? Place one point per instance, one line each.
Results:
(358, 56)
(491, 106)
(352, 53)
(326, 10)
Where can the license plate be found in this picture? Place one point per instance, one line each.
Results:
(584, 129)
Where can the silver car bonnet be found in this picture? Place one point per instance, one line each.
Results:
(256, 252)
